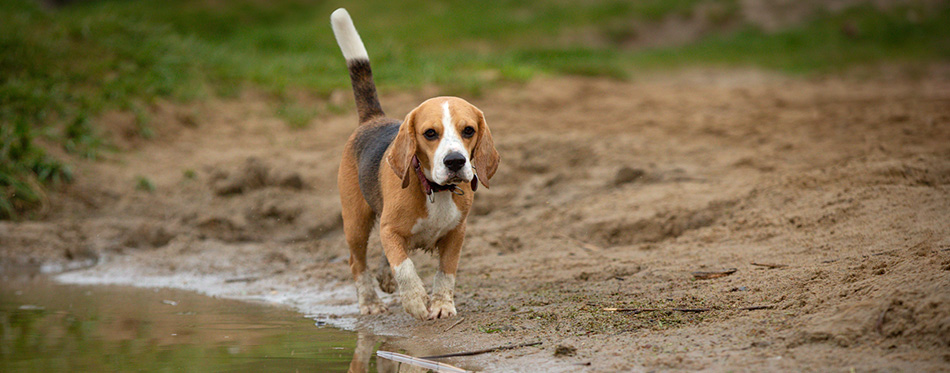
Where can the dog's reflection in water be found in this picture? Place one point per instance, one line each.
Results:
(364, 352)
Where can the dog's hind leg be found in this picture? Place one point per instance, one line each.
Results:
(385, 276)
(357, 229)
(358, 220)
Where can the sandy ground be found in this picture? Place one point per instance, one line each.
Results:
(609, 194)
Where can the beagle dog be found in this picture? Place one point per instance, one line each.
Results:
(417, 178)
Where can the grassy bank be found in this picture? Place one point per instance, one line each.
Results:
(61, 67)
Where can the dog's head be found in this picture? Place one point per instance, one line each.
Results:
(451, 139)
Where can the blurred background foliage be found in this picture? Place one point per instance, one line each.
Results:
(63, 63)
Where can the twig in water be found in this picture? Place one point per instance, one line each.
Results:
(419, 362)
(453, 325)
(714, 274)
(485, 351)
(770, 266)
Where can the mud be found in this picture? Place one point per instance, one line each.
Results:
(609, 194)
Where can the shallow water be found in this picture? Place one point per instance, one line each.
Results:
(46, 326)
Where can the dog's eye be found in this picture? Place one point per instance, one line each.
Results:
(430, 134)
(468, 132)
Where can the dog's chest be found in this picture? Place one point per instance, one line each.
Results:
(443, 216)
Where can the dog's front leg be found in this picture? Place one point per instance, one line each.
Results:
(411, 291)
(443, 289)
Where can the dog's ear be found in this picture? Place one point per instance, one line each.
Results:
(485, 158)
(403, 149)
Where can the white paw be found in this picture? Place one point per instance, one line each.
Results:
(372, 308)
(441, 308)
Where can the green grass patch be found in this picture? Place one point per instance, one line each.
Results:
(61, 67)
(295, 115)
(858, 36)
(24, 168)
(144, 184)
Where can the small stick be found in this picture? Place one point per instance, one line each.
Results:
(419, 362)
(687, 310)
(485, 351)
(714, 274)
(770, 266)
(453, 325)
(641, 310)
(880, 320)
(584, 245)
(241, 279)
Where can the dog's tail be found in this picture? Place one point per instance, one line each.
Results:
(357, 60)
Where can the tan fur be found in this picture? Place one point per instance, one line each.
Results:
(404, 202)
(484, 157)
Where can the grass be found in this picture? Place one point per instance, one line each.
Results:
(295, 115)
(822, 45)
(144, 184)
(24, 167)
(61, 67)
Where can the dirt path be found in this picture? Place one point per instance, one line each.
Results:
(610, 194)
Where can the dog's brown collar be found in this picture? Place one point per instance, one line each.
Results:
(429, 186)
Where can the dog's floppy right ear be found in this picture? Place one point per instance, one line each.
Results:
(403, 149)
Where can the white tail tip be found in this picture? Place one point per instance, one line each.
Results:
(347, 37)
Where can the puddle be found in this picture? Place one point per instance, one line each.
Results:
(331, 303)
(48, 326)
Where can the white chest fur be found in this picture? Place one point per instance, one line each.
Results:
(443, 216)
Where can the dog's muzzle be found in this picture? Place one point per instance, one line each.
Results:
(455, 163)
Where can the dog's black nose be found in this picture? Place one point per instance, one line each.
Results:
(454, 161)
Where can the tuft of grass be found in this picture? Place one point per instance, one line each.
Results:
(80, 137)
(144, 184)
(296, 116)
(492, 328)
(24, 168)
